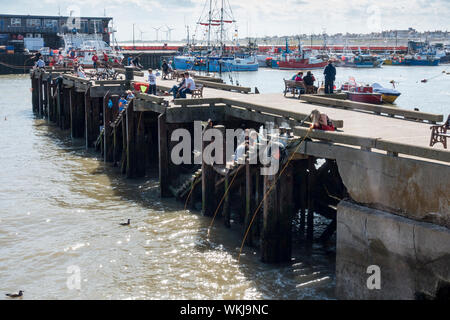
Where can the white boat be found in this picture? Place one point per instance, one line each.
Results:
(82, 47)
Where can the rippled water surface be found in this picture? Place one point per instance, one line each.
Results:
(60, 208)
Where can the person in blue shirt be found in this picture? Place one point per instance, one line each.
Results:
(330, 76)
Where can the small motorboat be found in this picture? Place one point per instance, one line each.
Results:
(388, 95)
(362, 94)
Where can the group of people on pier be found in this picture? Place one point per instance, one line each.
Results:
(309, 80)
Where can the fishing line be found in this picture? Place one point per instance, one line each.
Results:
(270, 189)
(221, 200)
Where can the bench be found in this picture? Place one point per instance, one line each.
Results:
(198, 92)
(295, 87)
(168, 76)
(440, 133)
(177, 74)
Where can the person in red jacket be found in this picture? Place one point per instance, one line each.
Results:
(95, 60)
(321, 121)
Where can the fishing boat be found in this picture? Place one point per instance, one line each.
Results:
(360, 93)
(215, 63)
(82, 47)
(361, 61)
(422, 60)
(214, 59)
(388, 95)
(395, 60)
(300, 59)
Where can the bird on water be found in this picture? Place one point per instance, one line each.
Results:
(15, 295)
(126, 223)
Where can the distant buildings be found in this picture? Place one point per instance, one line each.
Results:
(42, 31)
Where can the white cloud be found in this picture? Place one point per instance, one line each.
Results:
(257, 17)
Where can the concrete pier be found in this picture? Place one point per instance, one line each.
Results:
(383, 190)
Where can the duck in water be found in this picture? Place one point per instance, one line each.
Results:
(126, 223)
(15, 295)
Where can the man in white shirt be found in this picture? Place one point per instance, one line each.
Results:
(151, 82)
(188, 87)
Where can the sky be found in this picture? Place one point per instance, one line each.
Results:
(255, 18)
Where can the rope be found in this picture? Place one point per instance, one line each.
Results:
(270, 189)
(190, 193)
(13, 66)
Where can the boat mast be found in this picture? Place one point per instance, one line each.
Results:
(221, 30)
(209, 24)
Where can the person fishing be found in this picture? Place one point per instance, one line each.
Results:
(321, 121)
(330, 76)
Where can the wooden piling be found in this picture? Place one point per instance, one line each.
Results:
(108, 114)
(163, 143)
(40, 96)
(276, 237)
(226, 202)
(208, 185)
(310, 201)
(249, 202)
(88, 118)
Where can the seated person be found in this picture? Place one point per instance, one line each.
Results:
(309, 79)
(299, 77)
(309, 82)
(81, 72)
(176, 89)
(130, 95)
(321, 121)
(188, 87)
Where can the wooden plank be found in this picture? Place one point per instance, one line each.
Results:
(143, 106)
(196, 102)
(223, 86)
(163, 148)
(370, 143)
(373, 108)
(337, 137)
(136, 73)
(149, 97)
(107, 82)
(274, 110)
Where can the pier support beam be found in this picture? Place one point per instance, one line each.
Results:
(108, 118)
(40, 96)
(208, 184)
(163, 147)
(89, 119)
(77, 116)
(310, 201)
(276, 238)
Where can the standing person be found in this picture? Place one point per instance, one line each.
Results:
(330, 76)
(95, 60)
(151, 82)
(188, 87)
(165, 69)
